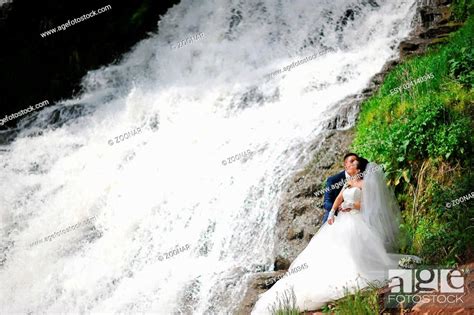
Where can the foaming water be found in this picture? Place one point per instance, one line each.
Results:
(167, 186)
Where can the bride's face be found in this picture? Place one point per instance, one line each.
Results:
(352, 169)
(349, 164)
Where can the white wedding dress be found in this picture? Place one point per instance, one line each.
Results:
(347, 254)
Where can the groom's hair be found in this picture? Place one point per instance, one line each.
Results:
(350, 154)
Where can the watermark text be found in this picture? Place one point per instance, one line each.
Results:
(63, 231)
(69, 23)
(412, 83)
(460, 200)
(187, 41)
(236, 157)
(125, 136)
(23, 112)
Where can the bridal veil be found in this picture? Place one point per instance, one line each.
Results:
(379, 206)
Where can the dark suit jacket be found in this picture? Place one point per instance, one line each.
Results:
(333, 188)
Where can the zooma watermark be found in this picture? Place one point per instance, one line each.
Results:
(187, 41)
(125, 136)
(237, 157)
(459, 200)
(425, 285)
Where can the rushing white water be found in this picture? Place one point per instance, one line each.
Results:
(2, 2)
(167, 186)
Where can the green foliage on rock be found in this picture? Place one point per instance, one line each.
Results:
(461, 9)
(422, 134)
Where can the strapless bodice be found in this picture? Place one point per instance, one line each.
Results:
(351, 195)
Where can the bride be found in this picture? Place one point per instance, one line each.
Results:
(350, 250)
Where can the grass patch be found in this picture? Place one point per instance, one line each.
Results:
(365, 301)
(423, 137)
(286, 304)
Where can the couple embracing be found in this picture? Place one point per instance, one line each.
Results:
(352, 247)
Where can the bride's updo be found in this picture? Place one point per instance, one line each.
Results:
(361, 165)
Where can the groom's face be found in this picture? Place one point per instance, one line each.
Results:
(349, 163)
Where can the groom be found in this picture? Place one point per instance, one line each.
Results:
(334, 184)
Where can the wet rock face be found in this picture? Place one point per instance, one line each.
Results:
(281, 263)
(259, 283)
(433, 26)
(301, 211)
(439, 31)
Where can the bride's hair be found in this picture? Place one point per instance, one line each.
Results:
(361, 165)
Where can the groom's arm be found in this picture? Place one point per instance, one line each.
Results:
(328, 195)
(332, 190)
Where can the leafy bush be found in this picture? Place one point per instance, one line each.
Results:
(423, 137)
(461, 66)
(462, 58)
(462, 9)
(443, 234)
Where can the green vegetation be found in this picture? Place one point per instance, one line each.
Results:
(365, 301)
(461, 9)
(286, 305)
(423, 137)
(138, 16)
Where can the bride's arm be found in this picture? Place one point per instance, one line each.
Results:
(337, 202)
(357, 203)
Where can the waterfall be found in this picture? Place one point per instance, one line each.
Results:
(218, 137)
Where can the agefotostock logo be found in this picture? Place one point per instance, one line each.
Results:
(411, 286)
